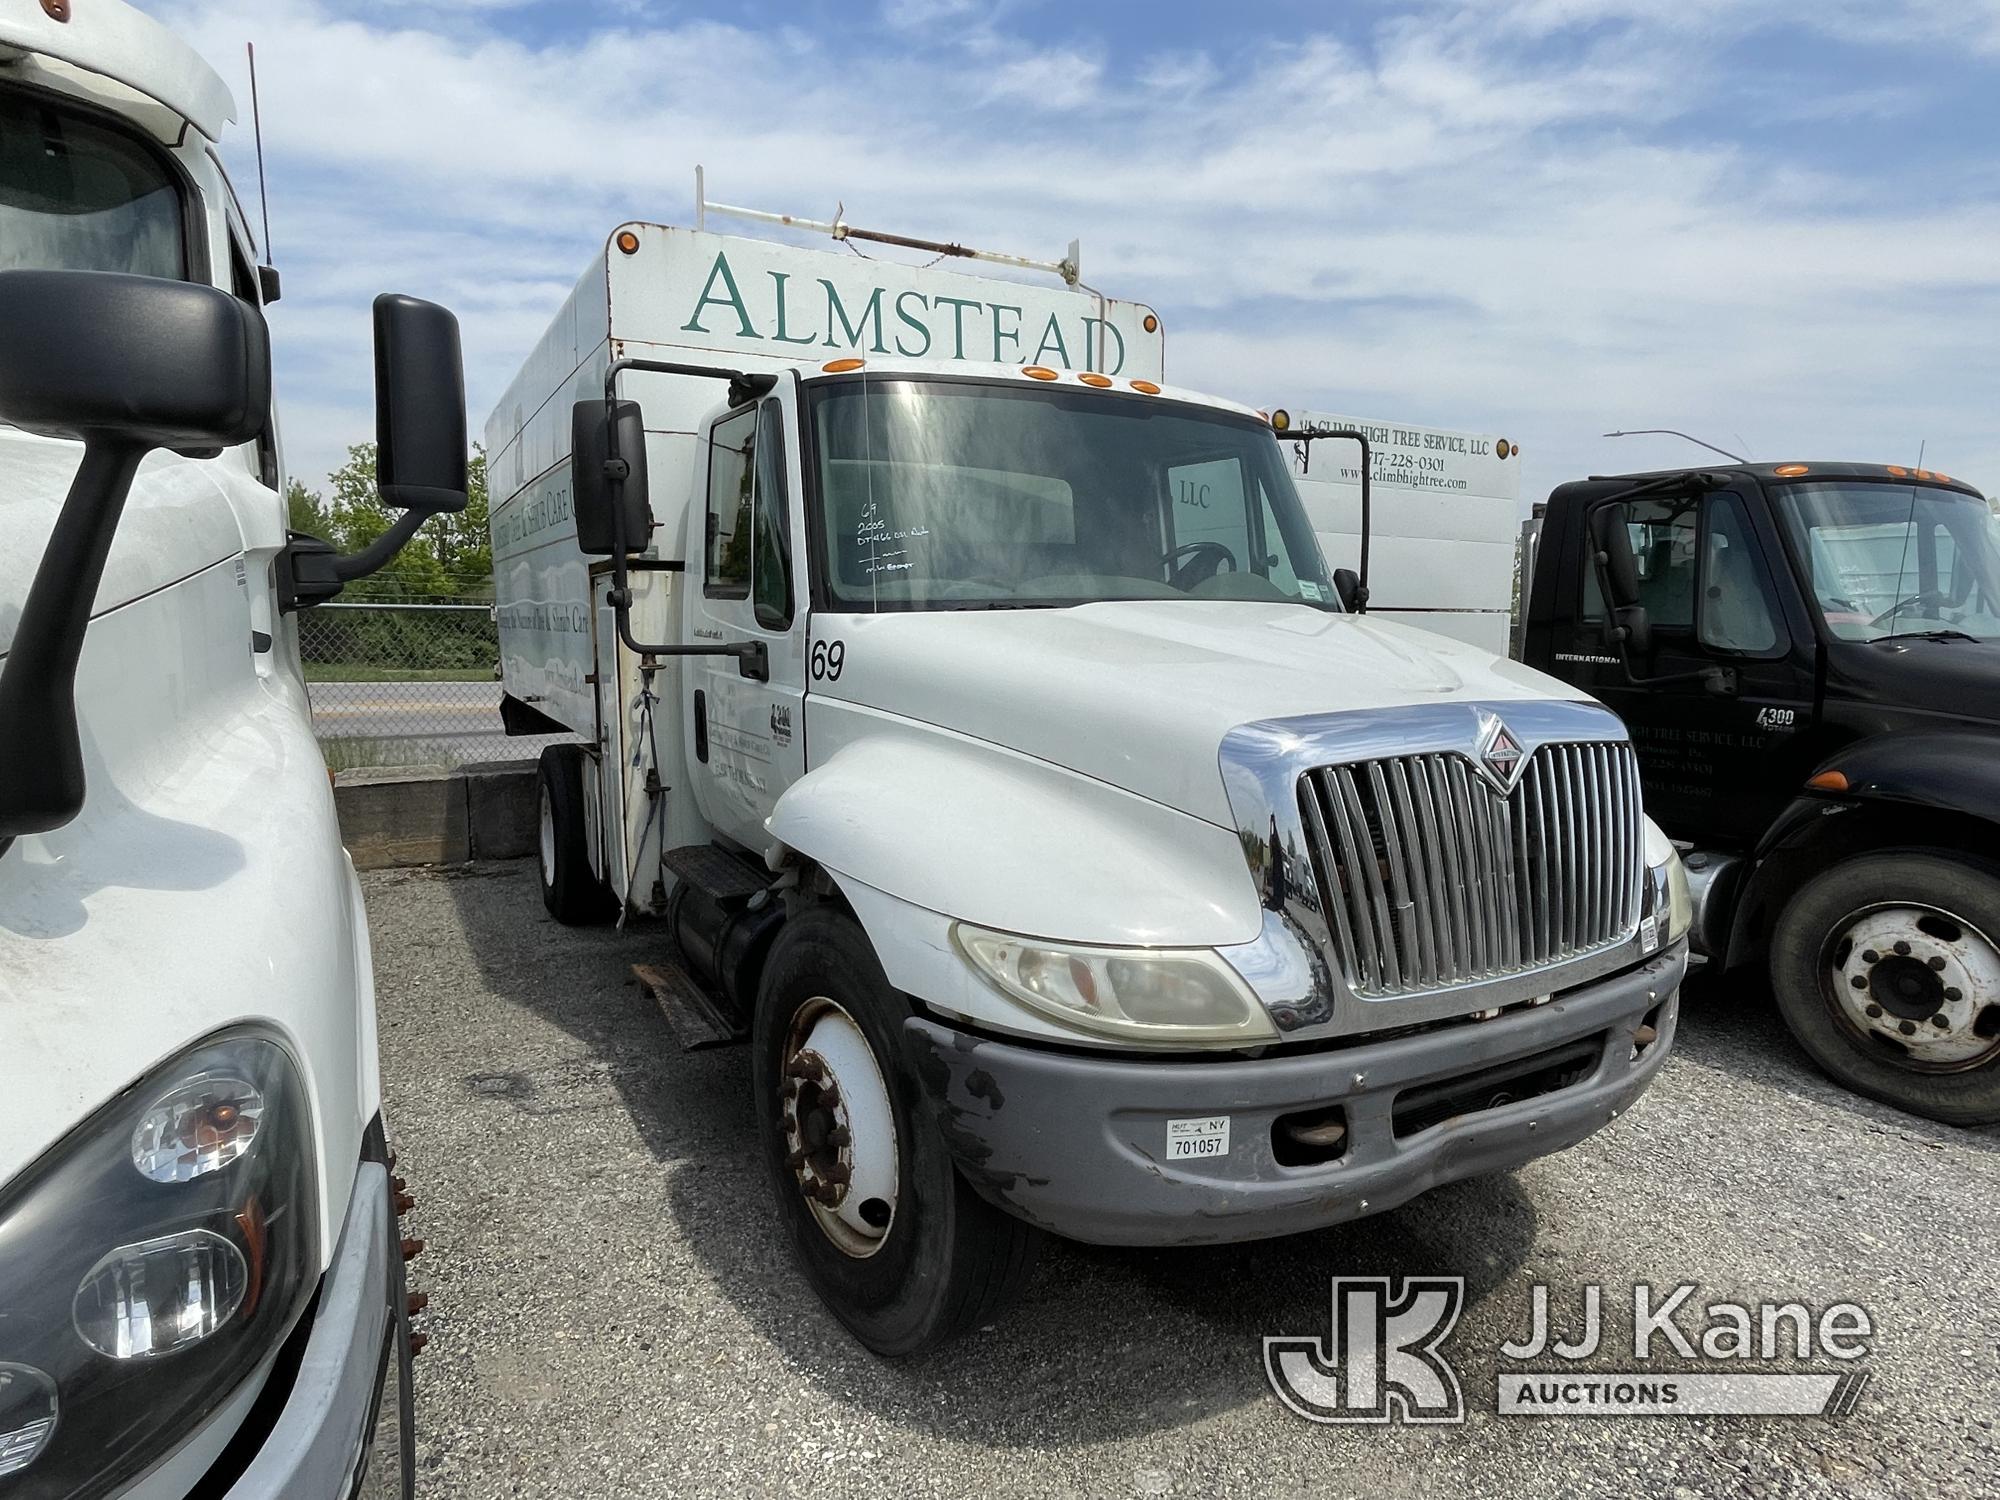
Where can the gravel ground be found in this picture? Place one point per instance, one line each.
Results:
(612, 1314)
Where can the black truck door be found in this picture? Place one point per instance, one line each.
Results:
(1717, 766)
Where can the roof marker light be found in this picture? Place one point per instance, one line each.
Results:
(1789, 471)
(1150, 323)
(1145, 387)
(1038, 372)
(1829, 781)
(842, 366)
(1897, 469)
(628, 242)
(1091, 377)
(1502, 448)
(1281, 419)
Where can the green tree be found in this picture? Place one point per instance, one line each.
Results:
(449, 556)
(306, 511)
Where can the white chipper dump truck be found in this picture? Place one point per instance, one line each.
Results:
(1014, 776)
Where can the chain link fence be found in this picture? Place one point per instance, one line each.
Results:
(407, 683)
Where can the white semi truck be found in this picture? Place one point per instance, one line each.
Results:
(201, 1275)
(1017, 779)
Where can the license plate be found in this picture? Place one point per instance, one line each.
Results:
(1197, 1138)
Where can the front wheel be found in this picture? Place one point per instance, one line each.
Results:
(893, 1240)
(1887, 970)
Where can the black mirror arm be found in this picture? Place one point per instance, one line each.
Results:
(41, 759)
(753, 658)
(1367, 493)
(310, 572)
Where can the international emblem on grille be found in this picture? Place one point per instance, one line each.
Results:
(1500, 753)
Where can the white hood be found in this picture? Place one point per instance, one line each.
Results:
(1140, 694)
(177, 522)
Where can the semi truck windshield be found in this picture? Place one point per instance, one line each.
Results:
(1890, 559)
(79, 196)
(956, 494)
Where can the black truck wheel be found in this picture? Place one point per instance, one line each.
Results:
(1887, 970)
(570, 887)
(895, 1242)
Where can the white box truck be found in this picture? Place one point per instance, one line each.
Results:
(1446, 522)
(1015, 777)
(201, 1275)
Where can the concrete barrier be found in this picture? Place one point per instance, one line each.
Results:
(391, 817)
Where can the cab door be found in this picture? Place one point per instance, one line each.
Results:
(1716, 765)
(745, 737)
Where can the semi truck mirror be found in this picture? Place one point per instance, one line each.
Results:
(124, 365)
(614, 516)
(1348, 586)
(1618, 569)
(420, 449)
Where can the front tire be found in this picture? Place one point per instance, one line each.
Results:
(891, 1237)
(571, 889)
(1887, 969)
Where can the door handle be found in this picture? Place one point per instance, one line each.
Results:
(701, 726)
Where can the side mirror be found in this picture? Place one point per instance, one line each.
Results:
(1352, 591)
(269, 286)
(1618, 578)
(420, 457)
(124, 365)
(613, 514)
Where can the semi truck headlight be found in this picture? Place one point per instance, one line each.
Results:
(150, 1263)
(1154, 996)
(1667, 897)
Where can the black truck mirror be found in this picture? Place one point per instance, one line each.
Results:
(1348, 587)
(420, 452)
(1626, 624)
(614, 516)
(124, 365)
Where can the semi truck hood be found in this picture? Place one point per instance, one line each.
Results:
(1140, 694)
(177, 521)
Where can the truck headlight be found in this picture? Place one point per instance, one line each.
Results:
(150, 1262)
(1166, 997)
(1667, 898)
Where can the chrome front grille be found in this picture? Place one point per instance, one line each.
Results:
(1431, 877)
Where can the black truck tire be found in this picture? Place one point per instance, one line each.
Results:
(571, 889)
(895, 1242)
(1887, 971)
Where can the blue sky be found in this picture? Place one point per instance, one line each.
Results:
(1776, 225)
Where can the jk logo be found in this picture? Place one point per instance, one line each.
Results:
(1380, 1359)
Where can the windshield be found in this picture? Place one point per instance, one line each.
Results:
(937, 494)
(75, 195)
(1893, 559)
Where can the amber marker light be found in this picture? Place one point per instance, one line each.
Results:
(1145, 388)
(1829, 781)
(1039, 372)
(1281, 419)
(842, 366)
(1150, 323)
(1091, 377)
(628, 242)
(1789, 471)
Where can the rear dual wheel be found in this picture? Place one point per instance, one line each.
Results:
(891, 1237)
(571, 888)
(1887, 969)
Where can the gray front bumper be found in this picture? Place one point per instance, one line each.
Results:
(349, 1385)
(1077, 1143)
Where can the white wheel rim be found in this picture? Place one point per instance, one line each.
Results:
(548, 838)
(840, 1131)
(1921, 981)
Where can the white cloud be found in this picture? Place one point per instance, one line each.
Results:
(1432, 220)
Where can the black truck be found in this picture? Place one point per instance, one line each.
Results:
(1808, 658)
